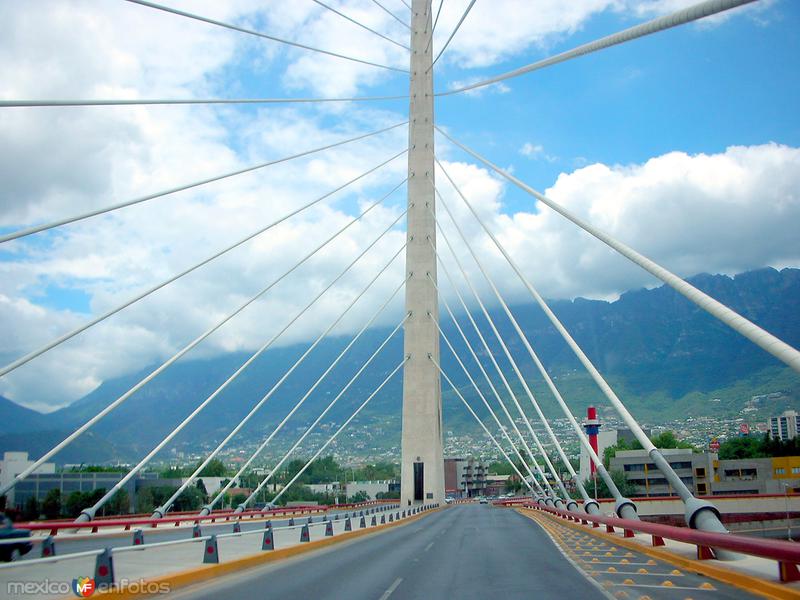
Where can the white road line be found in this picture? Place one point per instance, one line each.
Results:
(592, 581)
(428, 547)
(391, 589)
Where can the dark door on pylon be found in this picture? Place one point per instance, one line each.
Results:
(419, 479)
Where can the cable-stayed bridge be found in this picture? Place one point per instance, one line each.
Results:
(558, 538)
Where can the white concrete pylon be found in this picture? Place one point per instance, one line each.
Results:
(422, 466)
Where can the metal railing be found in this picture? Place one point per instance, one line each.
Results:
(94, 526)
(370, 509)
(787, 554)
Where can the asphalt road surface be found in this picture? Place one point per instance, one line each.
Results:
(463, 552)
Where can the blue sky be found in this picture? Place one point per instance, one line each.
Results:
(697, 88)
(613, 136)
(694, 88)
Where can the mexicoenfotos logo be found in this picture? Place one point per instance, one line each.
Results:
(83, 587)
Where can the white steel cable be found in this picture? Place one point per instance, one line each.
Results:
(66, 441)
(475, 354)
(480, 394)
(763, 339)
(480, 422)
(166, 506)
(92, 511)
(261, 35)
(344, 16)
(310, 428)
(452, 35)
(179, 101)
(92, 213)
(433, 29)
(551, 385)
(533, 355)
(511, 393)
(629, 420)
(391, 14)
(408, 6)
(686, 15)
(508, 354)
(333, 437)
(571, 342)
(70, 334)
(263, 445)
(766, 341)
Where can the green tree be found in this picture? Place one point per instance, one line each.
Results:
(775, 447)
(215, 468)
(98, 469)
(387, 495)
(31, 511)
(238, 499)
(501, 468)
(175, 472)
(74, 504)
(667, 440)
(190, 499)
(323, 470)
(151, 497)
(359, 496)
(202, 487)
(377, 472)
(3, 501)
(119, 503)
(78, 501)
(51, 505)
(742, 447)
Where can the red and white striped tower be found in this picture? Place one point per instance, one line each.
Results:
(592, 426)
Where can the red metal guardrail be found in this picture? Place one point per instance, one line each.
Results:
(787, 554)
(637, 499)
(127, 523)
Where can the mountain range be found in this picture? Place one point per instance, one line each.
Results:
(664, 356)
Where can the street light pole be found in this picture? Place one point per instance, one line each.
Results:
(788, 516)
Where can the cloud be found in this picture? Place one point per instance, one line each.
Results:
(536, 152)
(657, 8)
(56, 162)
(690, 213)
(495, 31)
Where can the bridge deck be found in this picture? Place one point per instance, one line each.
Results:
(469, 551)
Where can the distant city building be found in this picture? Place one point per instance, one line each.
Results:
(706, 475)
(38, 485)
(372, 488)
(234, 491)
(44, 479)
(605, 438)
(785, 426)
(496, 485)
(464, 477)
(334, 488)
(212, 484)
(13, 464)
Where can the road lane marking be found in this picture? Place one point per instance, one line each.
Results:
(428, 547)
(391, 589)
